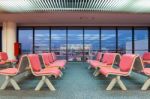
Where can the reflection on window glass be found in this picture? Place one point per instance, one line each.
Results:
(108, 39)
(41, 40)
(26, 40)
(75, 44)
(91, 42)
(124, 40)
(140, 40)
(58, 41)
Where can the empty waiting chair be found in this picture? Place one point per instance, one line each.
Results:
(4, 57)
(54, 62)
(125, 68)
(140, 68)
(109, 59)
(10, 73)
(96, 64)
(96, 61)
(146, 58)
(45, 60)
(36, 69)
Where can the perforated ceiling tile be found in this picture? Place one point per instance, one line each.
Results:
(134, 6)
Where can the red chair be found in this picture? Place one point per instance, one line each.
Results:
(4, 58)
(54, 62)
(146, 58)
(109, 59)
(96, 61)
(10, 73)
(125, 67)
(36, 69)
(46, 62)
(139, 67)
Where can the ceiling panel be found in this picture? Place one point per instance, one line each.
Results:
(17, 6)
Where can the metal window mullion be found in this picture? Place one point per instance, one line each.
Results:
(116, 39)
(133, 36)
(33, 31)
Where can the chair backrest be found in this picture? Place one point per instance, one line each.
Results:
(127, 62)
(34, 62)
(3, 56)
(54, 56)
(105, 57)
(111, 58)
(50, 57)
(45, 58)
(138, 64)
(23, 63)
(98, 56)
(146, 56)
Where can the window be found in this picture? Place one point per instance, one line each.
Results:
(75, 44)
(41, 40)
(108, 39)
(124, 40)
(140, 40)
(26, 40)
(58, 41)
(91, 42)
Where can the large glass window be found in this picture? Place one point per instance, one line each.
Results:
(140, 40)
(108, 39)
(91, 42)
(58, 41)
(26, 40)
(124, 40)
(82, 43)
(41, 40)
(75, 44)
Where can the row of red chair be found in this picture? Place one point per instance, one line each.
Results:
(33, 62)
(127, 64)
(104, 60)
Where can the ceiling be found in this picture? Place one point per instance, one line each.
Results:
(77, 19)
(129, 6)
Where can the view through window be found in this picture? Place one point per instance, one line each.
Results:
(82, 43)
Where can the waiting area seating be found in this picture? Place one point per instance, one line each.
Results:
(108, 60)
(4, 59)
(32, 62)
(50, 60)
(125, 64)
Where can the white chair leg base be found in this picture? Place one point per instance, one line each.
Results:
(48, 83)
(114, 81)
(97, 72)
(12, 81)
(146, 84)
(89, 67)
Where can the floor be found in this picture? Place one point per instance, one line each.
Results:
(78, 83)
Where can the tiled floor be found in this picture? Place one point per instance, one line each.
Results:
(79, 83)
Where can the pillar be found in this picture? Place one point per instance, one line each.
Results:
(9, 38)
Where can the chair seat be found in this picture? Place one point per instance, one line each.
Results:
(49, 71)
(146, 71)
(111, 71)
(146, 62)
(2, 63)
(12, 61)
(58, 63)
(9, 71)
(96, 64)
